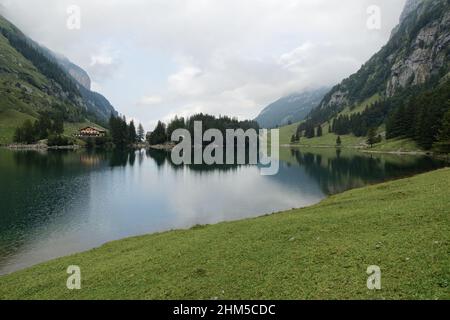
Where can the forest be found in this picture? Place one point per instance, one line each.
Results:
(419, 113)
(163, 132)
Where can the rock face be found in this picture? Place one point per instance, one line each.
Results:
(417, 51)
(427, 56)
(76, 72)
(292, 108)
(81, 78)
(410, 6)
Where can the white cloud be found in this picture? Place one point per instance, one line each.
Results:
(150, 100)
(184, 82)
(104, 62)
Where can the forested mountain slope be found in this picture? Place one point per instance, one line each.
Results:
(34, 82)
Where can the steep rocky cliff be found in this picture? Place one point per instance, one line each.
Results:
(427, 53)
(417, 52)
(75, 71)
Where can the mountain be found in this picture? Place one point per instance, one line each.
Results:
(290, 109)
(34, 80)
(416, 53)
(403, 91)
(74, 71)
(95, 102)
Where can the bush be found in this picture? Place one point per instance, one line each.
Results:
(58, 140)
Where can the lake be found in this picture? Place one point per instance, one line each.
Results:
(60, 202)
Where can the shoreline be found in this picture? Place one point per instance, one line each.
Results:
(365, 150)
(39, 147)
(170, 146)
(164, 147)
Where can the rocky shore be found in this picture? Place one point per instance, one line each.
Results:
(41, 146)
(165, 146)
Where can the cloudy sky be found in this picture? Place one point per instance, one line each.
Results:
(156, 58)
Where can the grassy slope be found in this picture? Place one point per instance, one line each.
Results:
(317, 252)
(361, 106)
(9, 121)
(329, 139)
(399, 145)
(20, 100)
(16, 89)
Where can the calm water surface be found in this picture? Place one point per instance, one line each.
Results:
(56, 203)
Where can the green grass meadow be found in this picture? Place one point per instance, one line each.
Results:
(9, 121)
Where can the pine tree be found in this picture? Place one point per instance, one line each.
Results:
(132, 136)
(319, 131)
(372, 137)
(42, 127)
(442, 145)
(141, 132)
(119, 131)
(58, 126)
(309, 131)
(158, 136)
(26, 133)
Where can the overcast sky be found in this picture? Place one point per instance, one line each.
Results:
(156, 58)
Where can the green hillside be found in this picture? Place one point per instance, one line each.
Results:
(33, 83)
(9, 121)
(328, 139)
(347, 141)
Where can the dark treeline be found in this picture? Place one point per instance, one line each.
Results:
(360, 123)
(425, 118)
(419, 113)
(124, 134)
(43, 128)
(163, 132)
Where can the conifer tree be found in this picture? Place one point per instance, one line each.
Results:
(442, 145)
(140, 133)
(371, 137)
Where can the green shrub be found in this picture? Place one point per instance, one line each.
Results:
(58, 140)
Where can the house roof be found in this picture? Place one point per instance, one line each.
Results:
(98, 129)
